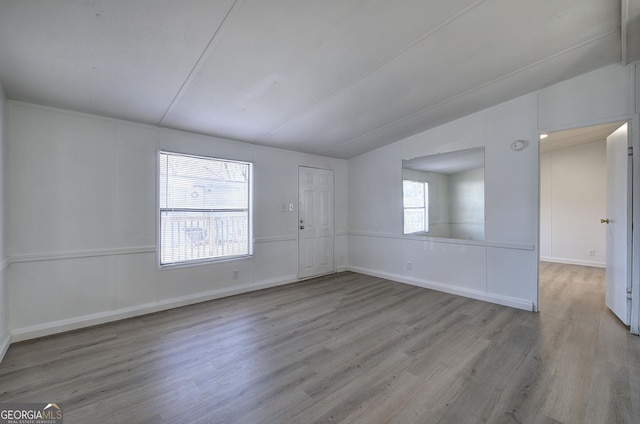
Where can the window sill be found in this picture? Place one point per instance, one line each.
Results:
(204, 262)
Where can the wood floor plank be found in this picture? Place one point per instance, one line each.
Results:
(346, 348)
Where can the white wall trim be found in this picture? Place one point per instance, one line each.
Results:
(46, 329)
(498, 244)
(573, 262)
(4, 346)
(38, 257)
(274, 239)
(282, 238)
(518, 303)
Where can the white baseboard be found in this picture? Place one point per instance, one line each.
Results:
(46, 329)
(573, 262)
(4, 345)
(513, 302)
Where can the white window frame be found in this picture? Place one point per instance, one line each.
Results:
(425, 207)
(160, 210)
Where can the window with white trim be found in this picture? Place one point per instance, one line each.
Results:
(415, 199)
(205, 209)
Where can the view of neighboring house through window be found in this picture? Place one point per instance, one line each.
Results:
(205, 209)
(416, 206)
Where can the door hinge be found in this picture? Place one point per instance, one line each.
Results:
(630, 150)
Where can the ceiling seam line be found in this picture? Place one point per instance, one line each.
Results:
(471, 90)
(376, 67)
(228, 17)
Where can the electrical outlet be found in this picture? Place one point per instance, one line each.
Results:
(235, 274)
(592, 252)
(409, 266)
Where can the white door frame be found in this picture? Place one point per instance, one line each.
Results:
(619, 185)
(634, 125)
(634, 191)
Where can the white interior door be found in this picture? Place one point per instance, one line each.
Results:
(315, 222)
(618, 223)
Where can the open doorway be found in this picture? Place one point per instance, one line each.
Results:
(575, 188)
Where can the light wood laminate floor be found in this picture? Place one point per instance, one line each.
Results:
(346, 348)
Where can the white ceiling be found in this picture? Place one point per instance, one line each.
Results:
(448, 163)
(574, 137)
(331, 77)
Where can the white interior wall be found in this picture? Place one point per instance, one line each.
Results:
(82, 220)
(439, 221)
(5, 338)
(438, 198)
(503, 268)
(572, 201)
(456, 203)
(466, 194)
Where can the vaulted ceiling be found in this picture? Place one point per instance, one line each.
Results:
(331, 77)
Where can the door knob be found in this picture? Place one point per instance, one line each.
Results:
(302, 227)
(604, 221)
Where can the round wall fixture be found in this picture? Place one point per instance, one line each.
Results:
(518, 145)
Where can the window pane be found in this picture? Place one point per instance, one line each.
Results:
(201, 183)
(204, 208)
(414, 220)
(413, 194)
(415, 200)
(192, 236)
